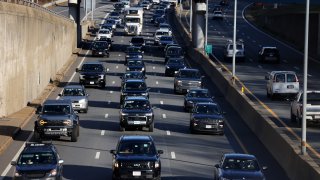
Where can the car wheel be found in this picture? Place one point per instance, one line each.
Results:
(103, 85)
(85, 110)
(122, 129)
(151, 127)
(175, 89)
(36, 136)
(74, 134)
(268, 94)
(191, 129)
(293, 117)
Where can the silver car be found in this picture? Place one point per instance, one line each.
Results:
(78, 96)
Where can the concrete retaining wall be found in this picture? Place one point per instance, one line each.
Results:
(279, 145)
(34, 45)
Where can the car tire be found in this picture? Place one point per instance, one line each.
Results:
(103, 85)
(36, 136)
(191, 129)
(74, 134)
(85, 110)
(151, 127)
(122, 129)
(293, 117)
(175, 90)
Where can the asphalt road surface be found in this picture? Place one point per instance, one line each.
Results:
(186, 156)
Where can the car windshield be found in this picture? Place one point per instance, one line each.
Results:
(135, 86)
(208, 109)
(174, 51)
(241, 164)
(92, 67)
(73, 92)
(135, 63)
(137, 75)
(137, 40)
(198, 94)
(138, 147)
(56, 109)
(189, 74)
(176, 61)
(137, 104)
(161, 20)
(37, 158)
(104, 32)
(99, 45)
(166, 38)
(291, 78)
(111, 21)
(161, 33)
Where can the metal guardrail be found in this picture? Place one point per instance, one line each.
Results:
(36, 6)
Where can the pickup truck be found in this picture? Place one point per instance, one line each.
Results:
(312, 109)
(186, 79)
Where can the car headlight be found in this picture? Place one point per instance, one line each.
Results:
(127, 56)
(123, 114)
(149, 114)
(68, 122)
(53, 172)
(128, 68)
(144, 94)
(140, 56)
(142, 69)
(81, 76)
(156, 164)
(82, 101)
(179, 82)
(17, 174)
(116, 164)
(167, 67)
(220, 120)
(195, 122)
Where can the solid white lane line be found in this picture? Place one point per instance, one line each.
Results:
(102, 132)
(168, 133)
(296, 68)
(111, 92)
(259, 66)
(164, 116)
(173, 155)
(161, 102)
(97, 155)
(5, 172)
(106, 116)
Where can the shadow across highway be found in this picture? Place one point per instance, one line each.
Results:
(86, 172)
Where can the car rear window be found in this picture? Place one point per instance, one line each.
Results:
(291, 78)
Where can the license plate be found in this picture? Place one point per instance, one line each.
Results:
(208, 126)
(136, 173)
(136, 122)
(290, 86)
(91, 82)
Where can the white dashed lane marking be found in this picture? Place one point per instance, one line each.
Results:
(106, 116)
(153, 67)
(168, 133)
(161, 102)
(113, 82)
(117, 67)
(173, 155)
(102, 132)
(97, 155)
(157, 82)
(164, 116)
(111, 92)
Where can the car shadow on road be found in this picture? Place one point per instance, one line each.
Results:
(71, 171)
(100, 125)
(16, 133)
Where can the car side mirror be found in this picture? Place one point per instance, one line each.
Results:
(113, 152)
(217, 166)
(61, 161)
(266, 77)
(160, 151)
(77, 70)
(13, 163)
(59, 94)
(145, 77)
(38, 111)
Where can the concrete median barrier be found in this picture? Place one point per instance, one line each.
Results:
(282, 148)
(35, 45)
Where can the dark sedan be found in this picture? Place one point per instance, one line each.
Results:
(208, 118)
(173, 52)
(136, 65)
(132, 75)
(239, 166)
(133, 52)
(195, 96)
(173, 65)
(164, 40)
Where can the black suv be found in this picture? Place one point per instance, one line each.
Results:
(267, 54)
(195, 96)
(136, 111)
(207, 117)
(133, 52)
(173, 52)
(134, 87)
(108, 41)
(38, 161)
(136, 157)
(138, 41)
(100, 48)
(136, 65)
(56, 118)
(173, 65)
(92, 74)
(132, 75)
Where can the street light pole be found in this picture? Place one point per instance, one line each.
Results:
(92, 10)
(190, 28)
(234, 42)
(206, 36)
(305, 82)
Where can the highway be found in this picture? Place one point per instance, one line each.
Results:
(186, 156)
(251, 73)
